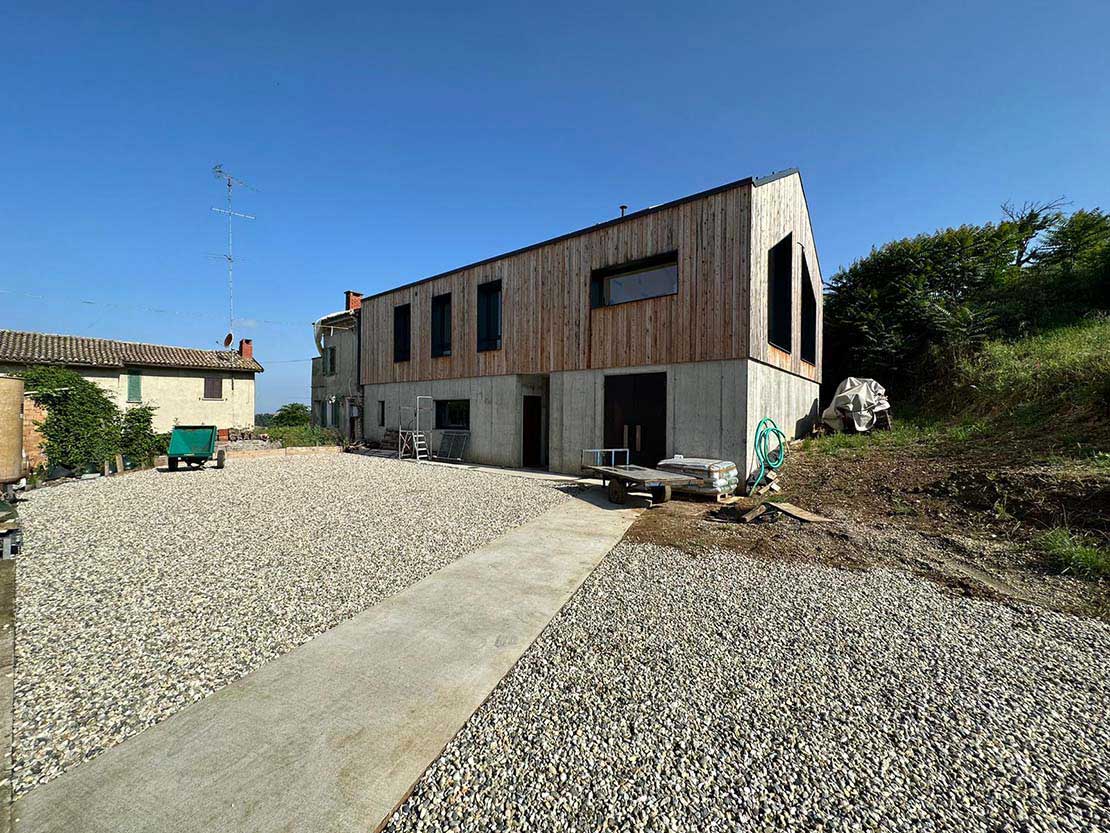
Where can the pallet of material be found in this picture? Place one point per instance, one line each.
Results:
(713, 478)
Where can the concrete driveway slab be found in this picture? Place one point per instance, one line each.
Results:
(333, 735)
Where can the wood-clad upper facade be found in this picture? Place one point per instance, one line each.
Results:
(720, 239)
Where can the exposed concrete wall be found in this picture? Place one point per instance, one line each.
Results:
(495, 412)
(712, 410)
(792, 402)
(178, 395)
(343, 384)
(705, 411)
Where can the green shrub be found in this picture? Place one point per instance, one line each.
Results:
(1075, 554)
(138, 442)
(303, 435)
(82, 425)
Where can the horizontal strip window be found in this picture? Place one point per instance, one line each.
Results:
(651, 277)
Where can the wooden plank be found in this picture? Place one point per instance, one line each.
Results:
(799, 513)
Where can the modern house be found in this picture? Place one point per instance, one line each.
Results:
(671, 330)
(186, 386)
(336, 392)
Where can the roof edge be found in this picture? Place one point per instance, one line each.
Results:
(728, 186)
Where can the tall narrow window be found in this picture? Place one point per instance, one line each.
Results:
(134, 385)
(780, 293)
(651, 277)
(329, 361)
(809, 316)
(213, 387)
(441, 325)
(381, 413)
(402, 332)
(489, 316)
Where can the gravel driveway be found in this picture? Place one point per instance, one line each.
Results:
(138, 595)
(717, 692)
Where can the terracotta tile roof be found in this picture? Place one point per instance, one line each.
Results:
(47, 348)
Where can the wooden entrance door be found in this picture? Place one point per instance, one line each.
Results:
(636, 415)
(532, 432)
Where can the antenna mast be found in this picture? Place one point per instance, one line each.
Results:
(219, 172)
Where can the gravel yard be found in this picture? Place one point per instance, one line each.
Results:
(712, 691)
(140, 594)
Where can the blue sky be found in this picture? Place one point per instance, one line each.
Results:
(389, 143)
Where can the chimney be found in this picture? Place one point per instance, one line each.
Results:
(354, 300)
(246, 348)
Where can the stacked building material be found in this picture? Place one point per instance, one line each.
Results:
(714, 477)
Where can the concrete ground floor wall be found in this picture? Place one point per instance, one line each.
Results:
(712, 410)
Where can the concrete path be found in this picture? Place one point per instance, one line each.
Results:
(333, 735)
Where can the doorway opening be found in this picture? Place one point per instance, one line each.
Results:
(636, 416)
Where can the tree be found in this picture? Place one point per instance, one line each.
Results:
(82, 425)
(293, 413)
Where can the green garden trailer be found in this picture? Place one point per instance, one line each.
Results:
(194, 445)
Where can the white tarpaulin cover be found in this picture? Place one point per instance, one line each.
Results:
(860, 399)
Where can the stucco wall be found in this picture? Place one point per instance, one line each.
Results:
(178, 395)
(343, 384)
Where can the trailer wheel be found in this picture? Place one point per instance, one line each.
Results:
(617, 492)
(660, 494)
(220, 459)
(172, 463)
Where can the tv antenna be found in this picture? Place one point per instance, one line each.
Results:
(219, 172)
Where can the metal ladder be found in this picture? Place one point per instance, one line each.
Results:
(411, 438)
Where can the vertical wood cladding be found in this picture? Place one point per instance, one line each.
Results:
(547, 322)
(778, 209)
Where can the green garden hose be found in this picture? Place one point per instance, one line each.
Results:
(768, 460)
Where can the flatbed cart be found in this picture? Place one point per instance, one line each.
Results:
(193, 445)
(622, 478)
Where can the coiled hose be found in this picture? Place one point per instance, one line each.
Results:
(769, 460)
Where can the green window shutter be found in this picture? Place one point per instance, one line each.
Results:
(134, 387)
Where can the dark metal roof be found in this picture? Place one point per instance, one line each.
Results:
(754, 181)
(48, 348)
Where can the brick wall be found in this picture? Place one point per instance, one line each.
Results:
(33, 455)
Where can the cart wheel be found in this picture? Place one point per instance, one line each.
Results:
(172, 463)
(220, 459)
(660, 494)
(617, 492)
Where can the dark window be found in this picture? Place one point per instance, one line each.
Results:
(652, 277)
(441, 325)
(489, 316)
(213, 387)
(780, 293)
(453, 414)
(335, 413)
(134, 386)
(809, 316)
(321, 415)
(381, 413)
(329, 361)
(402, 332)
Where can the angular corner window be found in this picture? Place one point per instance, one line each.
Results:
(402, 332)
(780, 293)
(213, 387)
(489, 316)
(809, 316)
(651, 277)
(453, 414)
(134, 386)
(441, 325)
